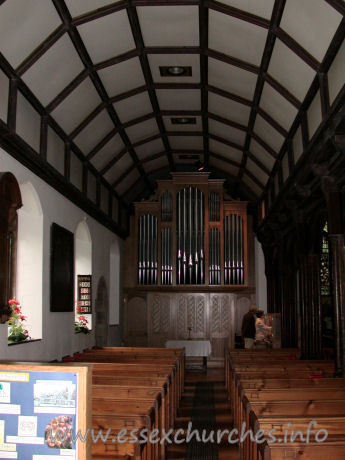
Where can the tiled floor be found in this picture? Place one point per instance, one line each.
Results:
(223, 415)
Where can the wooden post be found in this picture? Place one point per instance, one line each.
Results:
(338, 286)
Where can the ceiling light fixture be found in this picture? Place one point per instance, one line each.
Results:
(183, 121)
(175, 71)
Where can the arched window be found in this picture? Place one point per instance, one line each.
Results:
(30, 259)
(83, 268)
(10, 202)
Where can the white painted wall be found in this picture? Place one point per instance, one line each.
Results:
(260, 277)
(58, 337)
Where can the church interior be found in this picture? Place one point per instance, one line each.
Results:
(172, 229)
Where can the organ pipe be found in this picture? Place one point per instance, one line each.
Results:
(147, 250)
(190, 237)
(233, 251)
(166, 269)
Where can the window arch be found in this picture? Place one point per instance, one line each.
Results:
(83, 261)
(10, 202)
(30, 259)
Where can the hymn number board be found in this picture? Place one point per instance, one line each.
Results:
(84, 293)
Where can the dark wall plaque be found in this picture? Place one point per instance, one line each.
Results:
(61, 269)
(84, 293)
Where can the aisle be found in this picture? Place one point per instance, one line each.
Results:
(204, 403)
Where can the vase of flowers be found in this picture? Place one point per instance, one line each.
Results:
(80, 324)
(17, 331)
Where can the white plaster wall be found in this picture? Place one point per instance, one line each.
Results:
(58, 338)
(260, 277)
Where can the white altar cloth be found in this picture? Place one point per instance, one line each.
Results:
(193, 347)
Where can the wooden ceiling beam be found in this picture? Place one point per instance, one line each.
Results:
(225, 159)
(338, 5)
(99, 13)
(40, 50)
(297, 49)
(203, 41)
(232, 61)
(123, 176)
(260, 141)
(114, 160)
(237, 13)
(277, 14)
(117, 59)
(67, 90)
(102, 143)
(74, 35)
(226, 121)
(226, 142)
(277, 126)
(282, 91)
(254, 179)
(139, 42)
(228, 95)
(258, 163)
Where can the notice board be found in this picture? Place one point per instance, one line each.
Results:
(42, 407)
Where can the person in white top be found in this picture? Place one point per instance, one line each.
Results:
(262, 332)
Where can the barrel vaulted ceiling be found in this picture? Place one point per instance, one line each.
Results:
(94, 68)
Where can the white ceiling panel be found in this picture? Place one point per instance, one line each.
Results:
(156, 164)
(229, 109)
(227, 132)
(142, 130)
(312, 26)
(336, 73)
(261, 154)
(262, 8)
(184, 99)
(108, 36)
(150, 148)
(169, 126)
(186, 142)
(128, 181)
(251, 184)
(133, 107)
(122, 77)
(236, 38)
(293, 73)
(109, 151)
(231, 78)
(94, 132)
(277, 106)
(35, 19)
(314, 114)
(256, 171)
(191, 60)
(119, 167)
(46, 70)
(79, 7)
(268, 134)
(77, 106)
(169, 25)
(226, 151)
(224, 166)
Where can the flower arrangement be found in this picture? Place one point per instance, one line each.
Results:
(80, 325)
(16, 328)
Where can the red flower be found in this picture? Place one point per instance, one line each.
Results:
(26, 331)
(22, 317)
(17, 310)
(13, 301)
(79, 309)
(10, 320)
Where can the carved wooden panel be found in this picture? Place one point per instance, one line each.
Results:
(159, 319)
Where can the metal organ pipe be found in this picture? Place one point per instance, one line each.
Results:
(233, 239)
(147, 251)
(190, 229)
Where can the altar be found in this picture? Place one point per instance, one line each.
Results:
(194, 348)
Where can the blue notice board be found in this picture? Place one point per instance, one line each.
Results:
(38, 414)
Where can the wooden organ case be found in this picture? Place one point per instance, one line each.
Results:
(186, 261)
